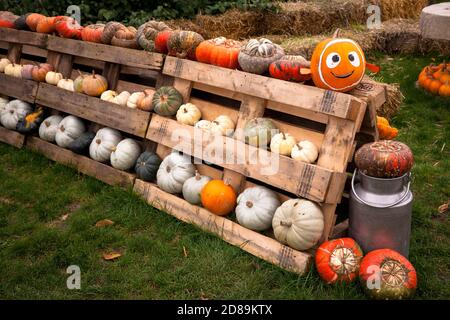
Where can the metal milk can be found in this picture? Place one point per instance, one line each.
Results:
(380, 212)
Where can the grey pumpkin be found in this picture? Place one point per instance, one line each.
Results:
(147, 166)
(257, 55)
(82, 143)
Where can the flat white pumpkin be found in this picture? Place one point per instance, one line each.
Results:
(104, 143)
(223, 125)
(3, 63)
(66, 84)
(49, 127)
(69, 129)
(298, 223)
(256, 207)
(114, 97)
(188, 114)
(125, 154)
(173, 172)
(14, 70)
(203, 124)
(53, 77)
(305, 151)
(134, 99)
(13, 111)
(193, 186)
(282, 143)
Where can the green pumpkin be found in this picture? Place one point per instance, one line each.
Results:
(147, 166)
(21, 22)
(82, 143)
(183, 44)
(31, 121)
(166, 101)
(259, 131)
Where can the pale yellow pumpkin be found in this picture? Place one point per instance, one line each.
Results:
(188, 114)
(282, 143)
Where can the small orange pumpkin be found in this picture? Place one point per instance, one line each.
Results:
(434, 86)
(94, 85)
(46, 25)
(218, 197)
(444, 90)
(385, 130)
(33, 19)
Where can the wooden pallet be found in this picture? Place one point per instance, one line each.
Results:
(12, 138)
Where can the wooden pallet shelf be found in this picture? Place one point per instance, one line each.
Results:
(18, 88)
(11, 137)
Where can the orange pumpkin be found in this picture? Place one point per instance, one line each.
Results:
(444, 90)
(46, 25)
(220, 52)
(218, 197)
(433, 86)
(385, 130)
(33, 20)
(93, 33)
(338, 64)
(94, 85)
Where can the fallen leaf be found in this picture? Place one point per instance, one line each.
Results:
(104, 223)
(64, 217)
(111, 255)
(203, 296)
(444, 207)
(185, 252)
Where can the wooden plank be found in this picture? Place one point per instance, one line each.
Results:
(18, 88)
(132, 121)
(184, 87)
(11, 137)
(23, 37)
(61, 62)
(255, 243)
(14, 52)
(83, 164)
(301, 96)
(111, 72)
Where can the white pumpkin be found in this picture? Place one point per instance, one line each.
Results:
(66, 84)
(13, 111)
(125, 154)
(53, 77)
(114, 97)
(282, 143)
(203, 124)
(69, 129)
(193, 186)
(305, 151)
(49, 127)
(3, 63)
(3, 103)
(104, 143)
(223, 125)
(14, 70)
(298, 223)
(173, 172)
(134, 99)
(188, 114)
(256, 207)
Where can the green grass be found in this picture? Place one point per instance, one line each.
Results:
(36, 246)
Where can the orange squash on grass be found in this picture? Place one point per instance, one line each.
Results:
(218, 197)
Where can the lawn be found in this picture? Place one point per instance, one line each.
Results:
(48, 214)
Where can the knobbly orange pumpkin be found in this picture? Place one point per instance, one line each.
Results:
(68, 27)
(385, 130)
(218, 197)
(46, 25)
(33, 20)
(93, 33)
(220, 52)
(290, 70)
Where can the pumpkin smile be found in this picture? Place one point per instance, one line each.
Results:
(343, 76)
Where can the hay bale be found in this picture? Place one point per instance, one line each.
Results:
(397, 36)
(394, 99)
(391, 9)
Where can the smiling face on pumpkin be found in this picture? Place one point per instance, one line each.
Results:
(338, 64)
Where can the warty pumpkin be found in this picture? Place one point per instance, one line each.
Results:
(166, 101)
(119, 35)
(161, 40)
(386, 132)
(290, 70)
(49, 127)
(93, 32)
(220, 52)
(173, 172)
(256, 55)
(68, 27)
(33, 19)
(147, 32)
(183, 44)
(218, 197)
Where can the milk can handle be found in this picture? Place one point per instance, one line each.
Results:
(381, 206)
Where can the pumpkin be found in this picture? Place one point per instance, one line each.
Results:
(49, 127)
(14, 70)
(134, 99)
(188, 114)
(305, 151)
(204, 125)
(125, 154)
(259, 131)
(257, 55)
(218, 197)
(3, 63)
(119, 35)
(146, 103)
(386, 132)
(282, 143)
(193, 187)
(33, 19)
(146, 34)
(183, 44)
(7, 19)
(298, 223)
(173, 172)
(223, 125)
(161, 40)
(114, 97)
(31, 121)
(69, 129)
(94, 85)
(290, 70)
(68, 27)
(338, 64)
(46, 25)
(166, 101)
(297, 58)
(256, 207)
(384, 159)
(81, 144)
(338, 260)
(93, 32)
(39, 72)
(66, 84)
(433, 86)
(53, 77)
(220, 52)
(13, 112)
(444, 90)
(104, 144)
(147, 166)
(27, 71)
(3, 103)
(386, 274)
(78, 82)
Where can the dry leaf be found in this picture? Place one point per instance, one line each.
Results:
(203, 296)
(111, 255)
(185, 252)
(444, 207)
(104, 223)
(64, 217)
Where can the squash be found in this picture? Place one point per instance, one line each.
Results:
(49, 127)
(93, 32)
(193, 187)
(27, 71)
(386, 132)
(31, 121)
(384, 159)
(298, 223)
(223, 125)
(218, 197)
(33, 19)
(14, 70)
(14, 111)
(7, 19)
(46, 25)
(147, 166)
(146, 34)
(53, 77)
(68, 27)
(94, 85)
(183, 44)
(257, 55)
(444, 90)
(290, 70)
(3, 103)
(40, 71)
(259, 131)
(134, 99)
(66, 84)
(203, 124)
(305, 151)
(394, 274)
(166, 101)
(69, 129)
(188, 114)
(282, 143)
(81, 144)
(78, 82)
(3, 63)
(125, 154)
(338, 260)
(173, 172)
(220, 52)
(256, 207)
(119, 35)
(161, 40)
(104, 144)
(114, 97)
(145, 103)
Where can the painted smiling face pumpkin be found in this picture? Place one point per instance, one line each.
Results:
(338, 64)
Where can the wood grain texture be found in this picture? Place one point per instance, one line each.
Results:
(12, 138)
(61, 62)
(23, 37)
(18, 88)
(14, 52)
(111, 72)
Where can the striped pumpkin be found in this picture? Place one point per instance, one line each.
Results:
(183, 44)
(166, 101)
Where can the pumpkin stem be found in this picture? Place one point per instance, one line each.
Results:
(249, 204)
(286, 223)
(197, 175)
(98, 141)
(337, 33)
(284, 136)
(93, 74)
(47, 123)
(62, 128)
(299, 147)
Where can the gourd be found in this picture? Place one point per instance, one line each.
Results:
(146, 102)
(188, 114)
(68, 27)
(398, 278)
(117, 34)
(7, 19)
(104, 144)
(31, 121)
(386, 132)
(183, 44)
(46, 25)
(193, 187)
(40, 71)
(259, 131)
(204, 125)
(298, 223)
(147, 165)
(27, 71)
(444, 90)
(69, 129)
(146, 34)
(33, 19)
(282, 143)
(338, 260)
(220, 52)
(218, 197)
(78, 82)
(3, 63)
(66, 84)
(305, 151)
(161, 40)
(114, 97)
(290, 70)
(14, 70)
(173, 172)
(53, 77)
(125, 154)
(166, 101)
(223, 125)
(13, 112)
(94, 85)
(49, 127)
(93, 33)
(134, 99)
(256, 207)
(257, 55)
(81, 144)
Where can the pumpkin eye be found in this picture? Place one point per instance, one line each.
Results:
(333, 59)
(354, 59)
